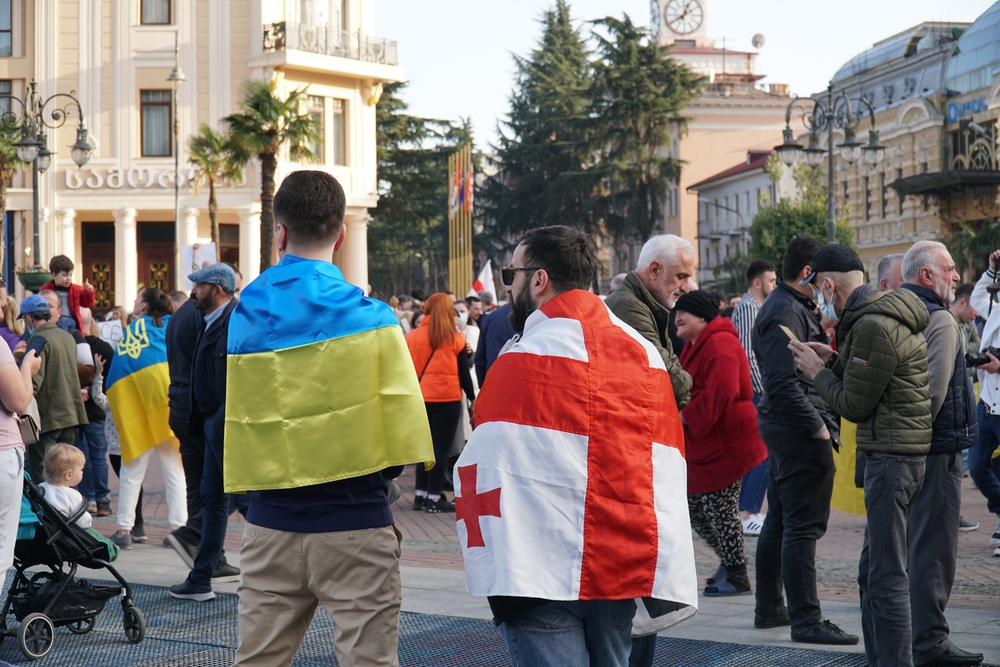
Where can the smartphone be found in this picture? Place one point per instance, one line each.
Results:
(36, 344)
(789, 332)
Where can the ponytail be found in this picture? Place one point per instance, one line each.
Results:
(158, 304)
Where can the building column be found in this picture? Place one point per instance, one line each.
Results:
(249, 242)
(189, 226)
(126, 258)
(66, 231)
(354, 254)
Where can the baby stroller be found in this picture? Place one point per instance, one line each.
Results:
(42, 601)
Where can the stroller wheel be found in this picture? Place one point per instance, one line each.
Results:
(83, 626)
(35, 636)
(135, 624)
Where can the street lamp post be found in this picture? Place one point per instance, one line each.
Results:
(176, 78)
(33, 145)
(834, 112)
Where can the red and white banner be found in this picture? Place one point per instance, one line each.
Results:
(484, 282)
(573, 485)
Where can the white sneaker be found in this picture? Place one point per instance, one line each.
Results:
(995, 540)
(996, 552)
(752, 525)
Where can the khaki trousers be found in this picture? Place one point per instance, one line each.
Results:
(354, 575)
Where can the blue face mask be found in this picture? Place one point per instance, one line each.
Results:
(827, 309)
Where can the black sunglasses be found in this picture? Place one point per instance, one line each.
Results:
(507, 273)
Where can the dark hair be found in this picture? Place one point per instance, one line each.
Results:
(964, 291)
(718, 296)
(60, 263)
(311, 206)
(799, 254)
(567, 254)
(233, 267)
(757, 268)
(178, 295)
(157, 303)
(419, 294)
(41, 315)
(727, 312)
(473, 299)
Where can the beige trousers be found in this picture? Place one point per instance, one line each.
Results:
(354, 575)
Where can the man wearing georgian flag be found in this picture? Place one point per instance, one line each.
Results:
(571, 494)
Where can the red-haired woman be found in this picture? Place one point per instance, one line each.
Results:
(442, 364)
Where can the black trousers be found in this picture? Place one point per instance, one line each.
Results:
(193, 461)
(444, 419)
(798, 499)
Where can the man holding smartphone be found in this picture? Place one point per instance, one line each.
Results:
(57, 383)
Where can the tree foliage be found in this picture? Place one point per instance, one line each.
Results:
(218, 162)
(795, 217)
(10, 163)
(265, 125)
(971, 245)
(408, 234)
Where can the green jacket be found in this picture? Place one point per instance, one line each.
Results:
(634, 305)
(57, 384)
(880, 381)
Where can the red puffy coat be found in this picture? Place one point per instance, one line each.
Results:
(79, 297)
(720, 432)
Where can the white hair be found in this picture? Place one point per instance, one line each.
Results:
(885, 264)
(664, 248)
(921, 255)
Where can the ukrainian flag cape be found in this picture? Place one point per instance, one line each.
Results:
(137, 385)
(320, 385)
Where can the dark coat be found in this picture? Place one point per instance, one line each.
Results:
(790, 400)
(495, 330)
(210, 363)
(183, 331)
(720, 433)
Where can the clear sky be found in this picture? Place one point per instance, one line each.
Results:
(456, 53)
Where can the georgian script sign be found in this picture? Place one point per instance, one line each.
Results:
(136, 178)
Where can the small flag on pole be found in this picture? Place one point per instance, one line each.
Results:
(484, 282)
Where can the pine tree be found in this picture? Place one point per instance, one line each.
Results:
(638, 94)
(543, 157)
(408, 233)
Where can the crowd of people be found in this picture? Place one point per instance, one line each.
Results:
(583, 442)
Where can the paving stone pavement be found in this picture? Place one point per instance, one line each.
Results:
(434, 582)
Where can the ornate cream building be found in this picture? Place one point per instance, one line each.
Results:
(115, 216)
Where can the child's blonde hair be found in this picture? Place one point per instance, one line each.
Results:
(61, 459)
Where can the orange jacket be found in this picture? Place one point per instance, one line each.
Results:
(440, 383)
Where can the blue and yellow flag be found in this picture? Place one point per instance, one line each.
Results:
(137, 385)
(320, 385)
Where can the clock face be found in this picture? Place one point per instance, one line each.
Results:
(683, 16)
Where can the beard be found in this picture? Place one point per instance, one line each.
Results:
(521, 307)
(204, 304)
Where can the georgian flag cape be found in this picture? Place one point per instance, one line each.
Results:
(573, 485)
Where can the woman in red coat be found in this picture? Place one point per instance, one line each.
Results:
(720, 434)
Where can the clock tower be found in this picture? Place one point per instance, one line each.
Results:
(680, 22)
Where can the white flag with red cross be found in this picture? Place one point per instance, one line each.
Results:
(573, 485)
(484, 282)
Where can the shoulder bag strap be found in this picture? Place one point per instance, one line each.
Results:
(421, 378)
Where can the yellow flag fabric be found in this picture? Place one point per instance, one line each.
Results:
(320, 385)
(846, 496)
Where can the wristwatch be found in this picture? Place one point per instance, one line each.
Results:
(832, 361)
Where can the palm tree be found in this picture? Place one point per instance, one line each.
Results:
(10, 131)
(218, 162)
(265, 125)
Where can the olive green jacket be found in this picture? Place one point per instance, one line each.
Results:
(880, 381)
(57, 383)
(633, 304)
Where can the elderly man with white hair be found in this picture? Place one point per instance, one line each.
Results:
(889, 273)
(645, 296)
(932, 528)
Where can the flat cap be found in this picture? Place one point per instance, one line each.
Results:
(217, 274)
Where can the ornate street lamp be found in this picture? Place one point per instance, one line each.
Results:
(37, 114)
(826, 115)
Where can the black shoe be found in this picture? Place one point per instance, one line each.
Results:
(139, 535)
(823, 633)
(955, 657)
(441, 505)
(103, 508)
(225, 573)
(186, 591)
(419, 502)
(187, 551)
(775, 620)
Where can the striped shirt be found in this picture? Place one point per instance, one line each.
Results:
(743, 319)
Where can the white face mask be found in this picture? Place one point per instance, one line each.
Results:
(827, 309)
(463, 318)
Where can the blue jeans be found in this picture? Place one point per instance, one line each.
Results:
(754, 486)
(984, 469)
(91, 441)
(215, 504)
(577, 633)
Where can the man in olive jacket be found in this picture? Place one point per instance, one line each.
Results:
(880, 382)
(57, 384)
(644, 297)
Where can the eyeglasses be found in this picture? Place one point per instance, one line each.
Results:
(507, 273)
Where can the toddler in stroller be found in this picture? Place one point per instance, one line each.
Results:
(44, 600)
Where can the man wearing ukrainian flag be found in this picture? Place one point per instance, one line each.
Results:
(323, 408)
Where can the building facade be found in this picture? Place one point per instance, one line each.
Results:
(727, 204)
(115, 217)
